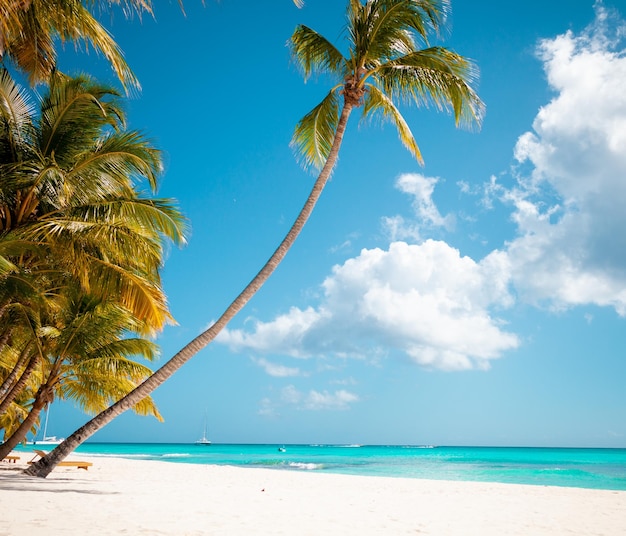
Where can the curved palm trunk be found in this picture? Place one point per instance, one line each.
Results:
(8, 382)
(43, 467)
(20, 434)
(6, 335)
(19, 386)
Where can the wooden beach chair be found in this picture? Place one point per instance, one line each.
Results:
(64, 463)
(11, 459)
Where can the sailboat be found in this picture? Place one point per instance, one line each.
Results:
(204, 440)
(47, 440)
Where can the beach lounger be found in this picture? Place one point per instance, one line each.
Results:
(64, 463)
(11, 459)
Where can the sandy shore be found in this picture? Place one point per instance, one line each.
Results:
(118, 496)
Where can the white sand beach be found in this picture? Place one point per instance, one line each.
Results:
(120, 496)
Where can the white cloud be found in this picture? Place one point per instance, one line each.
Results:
(421, 188)
(316, 400)
(283, 335)
(570, 210)
(276, 370)
(397, 228)
(427, 215)
(423, 300)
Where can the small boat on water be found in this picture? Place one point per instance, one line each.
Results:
(204, 440)
(282, 449)
(47, 440)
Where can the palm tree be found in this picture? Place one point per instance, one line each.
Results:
(20, 355)
(68, 201)
(70, 215)
(87, 358)
(383, 65)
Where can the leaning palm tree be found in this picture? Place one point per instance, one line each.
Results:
(384, 64)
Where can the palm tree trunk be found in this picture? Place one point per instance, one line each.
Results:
(6, 335)
(43, 466)
(19, 386)
(20, 434)
(9, 381)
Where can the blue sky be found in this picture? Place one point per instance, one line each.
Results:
(478, 300)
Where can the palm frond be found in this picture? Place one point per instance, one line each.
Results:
(150, 218)
(376, 102)
(140, 295)
(123, 270)
(110, 364)
(129, 7)
(29, 31)
(30, 45)
(314, 133)
(16, 108)
(95, 393)
(6, 266)
(314, 53)
(10, 24)
(74, 113)
(82, 241)
(129, 232)
(118, 159)
(435, 76)
(384, 29)
(11, 419)
(108, 354)
(83, 26)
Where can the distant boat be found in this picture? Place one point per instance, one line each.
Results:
(204, 440)
(47, 440)
(282, 449)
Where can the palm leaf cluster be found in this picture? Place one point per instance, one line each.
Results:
(81, 247)
(31, 29)
(389, 62)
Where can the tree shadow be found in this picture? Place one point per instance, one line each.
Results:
(15, 480)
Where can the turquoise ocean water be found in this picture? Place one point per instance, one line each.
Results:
(584, 468)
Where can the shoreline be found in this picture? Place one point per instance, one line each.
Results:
(592, 468)
(122, 496)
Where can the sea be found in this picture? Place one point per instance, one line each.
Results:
(572, 467)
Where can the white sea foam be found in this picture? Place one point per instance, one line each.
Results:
(116, 455)
(305, 466)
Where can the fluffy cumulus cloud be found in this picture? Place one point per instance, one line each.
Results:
(425, 300)
(570, 201)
